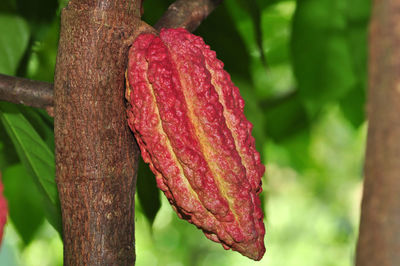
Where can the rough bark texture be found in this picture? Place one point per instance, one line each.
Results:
(96, 155)
(379, 239)
(186, 14)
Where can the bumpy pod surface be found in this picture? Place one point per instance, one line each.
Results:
(187, 117)
(3, 210)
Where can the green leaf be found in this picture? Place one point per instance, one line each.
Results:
(38, 11)
(353, 103)
(148, 193)
(321, 56)
(41, 124)
(253, 113)
(285, 116)
(8, 155)
(24, 201)
(292, 151)
(247, 16)
(8, 6)
(277, 21)
(153, 11)
(43, 53)
(36, 156)
(14, 39)
(226, 41)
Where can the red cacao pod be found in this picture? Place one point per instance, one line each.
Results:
(187, 117)
(3, 210)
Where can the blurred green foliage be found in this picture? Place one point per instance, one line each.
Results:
(301, 68)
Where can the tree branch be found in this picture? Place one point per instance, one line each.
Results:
(25, 91)
(186, 14)
(96, 156)
(379, 235)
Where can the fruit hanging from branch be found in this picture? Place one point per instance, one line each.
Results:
(187, 117)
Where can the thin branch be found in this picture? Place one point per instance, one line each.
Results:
(187, 14)
(25, 91)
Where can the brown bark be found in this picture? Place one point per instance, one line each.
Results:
(187, 14)
(26, 91)
(379, 238)
(96, 155)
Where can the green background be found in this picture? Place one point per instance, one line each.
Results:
(301, 68)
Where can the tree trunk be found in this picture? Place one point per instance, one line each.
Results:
(96, 155)
(379, 239)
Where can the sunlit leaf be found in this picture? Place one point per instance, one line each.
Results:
(321, 56)
(43, 52)
(40, 123)
(247, 16)
(14, 37)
